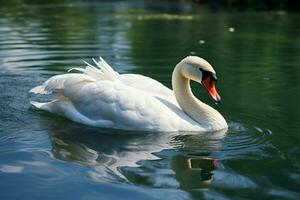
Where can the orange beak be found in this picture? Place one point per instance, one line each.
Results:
(209, 85)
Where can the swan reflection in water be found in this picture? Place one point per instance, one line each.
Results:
(193, 172)
(107, 152)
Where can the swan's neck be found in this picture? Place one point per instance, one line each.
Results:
(203, 114)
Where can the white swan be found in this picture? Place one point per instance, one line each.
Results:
(102, 97)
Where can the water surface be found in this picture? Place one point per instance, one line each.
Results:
(256, 56)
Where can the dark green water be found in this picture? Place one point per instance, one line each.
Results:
(44, 156)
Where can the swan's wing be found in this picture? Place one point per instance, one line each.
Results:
(124, 106)
(148, 85)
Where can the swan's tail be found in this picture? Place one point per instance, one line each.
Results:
(103, 71)
(90, 73)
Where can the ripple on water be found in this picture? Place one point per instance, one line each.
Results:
(242, 141)
(10, 169)
(239, 141)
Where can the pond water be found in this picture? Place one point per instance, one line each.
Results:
(256, 56)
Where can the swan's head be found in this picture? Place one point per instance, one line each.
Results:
(199, 70)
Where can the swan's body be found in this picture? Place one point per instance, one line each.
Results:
(102, 97)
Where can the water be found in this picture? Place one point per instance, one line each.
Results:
(256, 56)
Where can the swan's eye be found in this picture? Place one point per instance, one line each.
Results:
(206, 74)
